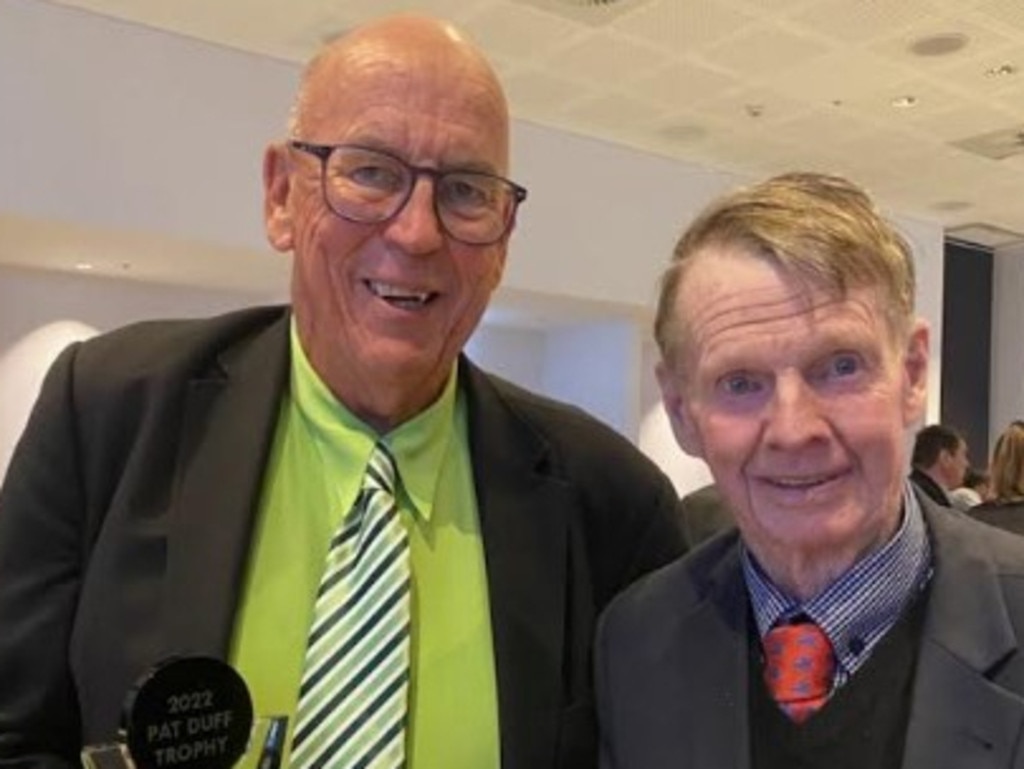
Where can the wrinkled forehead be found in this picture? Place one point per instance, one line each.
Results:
(724, 289)
(376, 84)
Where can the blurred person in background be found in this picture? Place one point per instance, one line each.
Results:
(974, 491)
(939, 462)
(1006, 507)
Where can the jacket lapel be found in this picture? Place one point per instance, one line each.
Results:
(716, 665)
(959, 717)
(523, 517)
(228, 423)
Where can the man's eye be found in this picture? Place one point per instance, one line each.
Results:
(739, 384)
(467, 192)
(375, 176)
(845, 365)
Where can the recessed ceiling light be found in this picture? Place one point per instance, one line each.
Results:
(1003, 70)
(939, 45)
(83, 266)
(904, 102)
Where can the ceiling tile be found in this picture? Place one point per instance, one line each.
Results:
(1003, 14)
(605, 58)
(930, 98)
(681, 26)
(838, 76)
(761, 105)
(763, 49)
(682, 83)
(858, 22)
(519, 31)
(961, 120)
(616, 112)
(532, 92)
(826, 125)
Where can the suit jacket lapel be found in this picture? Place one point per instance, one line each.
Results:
(958, 716)
(228, 424)
(523, 516)
(719, 670)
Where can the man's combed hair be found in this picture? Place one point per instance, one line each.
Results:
(931, 441)
(822, 229)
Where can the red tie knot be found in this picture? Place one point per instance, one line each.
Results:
(799, 665)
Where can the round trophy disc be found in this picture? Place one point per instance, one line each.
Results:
(188, 713)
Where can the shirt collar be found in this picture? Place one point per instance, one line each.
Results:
(419, 445)
(861, 605)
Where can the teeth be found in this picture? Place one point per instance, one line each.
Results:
(392, 293)
(800, 482)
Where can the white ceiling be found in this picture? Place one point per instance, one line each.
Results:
(753, 86)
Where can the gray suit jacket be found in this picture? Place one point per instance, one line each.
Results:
(127, 510)
(672, 659)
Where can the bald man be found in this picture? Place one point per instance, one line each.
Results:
(180, 484)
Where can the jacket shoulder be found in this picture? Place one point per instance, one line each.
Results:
(153, 346)
(713, 569)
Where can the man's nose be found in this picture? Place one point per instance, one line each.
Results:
(795, 413)
(415, 228)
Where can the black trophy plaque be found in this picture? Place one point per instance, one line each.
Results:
(188, 713)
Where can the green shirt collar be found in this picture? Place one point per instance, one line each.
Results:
(419, 445)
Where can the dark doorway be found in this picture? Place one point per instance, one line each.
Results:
(966, 343)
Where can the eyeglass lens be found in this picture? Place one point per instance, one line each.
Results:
(368, 186)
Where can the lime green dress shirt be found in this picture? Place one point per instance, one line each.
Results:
(316, 465)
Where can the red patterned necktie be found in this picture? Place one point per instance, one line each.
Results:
(799, 664)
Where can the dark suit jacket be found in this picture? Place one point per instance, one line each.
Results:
(703, 514)
(927, 484)
(1005, 515)
(672, 659)
(127, 510)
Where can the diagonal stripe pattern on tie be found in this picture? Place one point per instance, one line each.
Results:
(353, 707)
(799, 666)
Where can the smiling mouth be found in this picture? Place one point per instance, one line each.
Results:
(801, 483)
(400, 297)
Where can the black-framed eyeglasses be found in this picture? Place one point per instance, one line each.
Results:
(370, 186)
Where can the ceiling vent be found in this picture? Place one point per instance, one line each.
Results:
(596, 13)
(986, 235)
(995, 145)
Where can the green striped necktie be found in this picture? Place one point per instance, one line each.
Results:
(353, 709)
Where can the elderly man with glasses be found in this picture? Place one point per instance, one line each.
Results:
(398, 551)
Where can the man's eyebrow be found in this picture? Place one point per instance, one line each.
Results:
(372, 142)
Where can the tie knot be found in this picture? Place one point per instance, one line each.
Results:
(380, 471)
(799, 665)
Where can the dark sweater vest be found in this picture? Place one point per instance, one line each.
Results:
(863, 724)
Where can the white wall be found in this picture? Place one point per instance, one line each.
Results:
(517, 354)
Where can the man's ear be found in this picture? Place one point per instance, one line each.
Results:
(277, 218)
(672, 397)
(915, 374)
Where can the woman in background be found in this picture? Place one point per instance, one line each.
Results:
(1006, 508)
